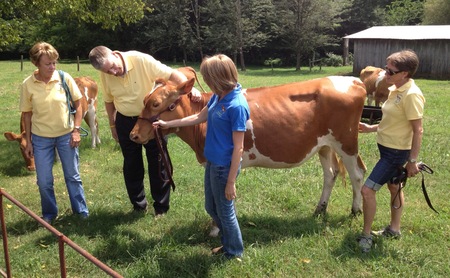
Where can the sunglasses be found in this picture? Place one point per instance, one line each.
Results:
(391, 72)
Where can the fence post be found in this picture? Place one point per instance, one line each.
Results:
(4, 236)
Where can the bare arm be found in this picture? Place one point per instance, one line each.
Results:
(75, 139)
(111, 111)
(415, 146)
(365, 128)
(238, 143)
(177, 77)
(27, 121)
(186, 121)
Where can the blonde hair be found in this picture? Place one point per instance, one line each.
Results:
(98, 56)
(219, 73)
(405, 60)
(42, 48)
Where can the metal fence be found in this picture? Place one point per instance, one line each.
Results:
(62, 240)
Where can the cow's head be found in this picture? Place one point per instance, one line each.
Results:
(11, 136)
(163, 102)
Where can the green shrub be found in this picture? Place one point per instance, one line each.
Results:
(333, 60)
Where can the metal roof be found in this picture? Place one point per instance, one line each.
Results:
(416, 32)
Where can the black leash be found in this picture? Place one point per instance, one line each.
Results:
(164, 156)
(401, 181)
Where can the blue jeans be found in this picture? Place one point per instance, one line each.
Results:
(391, 161)
(222, 210)
(44, 156)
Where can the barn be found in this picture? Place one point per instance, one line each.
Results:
(430, 42)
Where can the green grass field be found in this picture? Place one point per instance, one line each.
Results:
(275, 207)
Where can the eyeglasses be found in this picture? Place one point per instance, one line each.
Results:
(391, 72)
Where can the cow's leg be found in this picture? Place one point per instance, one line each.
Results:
(356, 169)
(91, 120)
(370, 98)
(330, 171)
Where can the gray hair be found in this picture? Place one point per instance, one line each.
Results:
(98, 56)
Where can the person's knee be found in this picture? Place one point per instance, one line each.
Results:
(367, 193)
(393, 188)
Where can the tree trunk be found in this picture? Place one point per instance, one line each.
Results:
(196, 10)
(239, 34)
(241, 55)
(297, 64)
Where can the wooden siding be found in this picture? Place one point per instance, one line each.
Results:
(434, 55)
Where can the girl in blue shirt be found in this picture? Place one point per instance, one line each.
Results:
(226, 114)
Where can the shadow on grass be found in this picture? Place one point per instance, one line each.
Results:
(349, 249)
(123, 246)
(183, 249)
(12, 163)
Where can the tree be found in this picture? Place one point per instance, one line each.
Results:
(18, 15)
(196, 15)
(404, 12)
(360, 15)
(308, 24)
(255, 25)
(436, 12)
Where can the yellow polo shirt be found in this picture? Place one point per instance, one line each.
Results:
(48, 104)
(403, 105)
(128, 92)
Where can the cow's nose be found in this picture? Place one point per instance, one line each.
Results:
(133, 137)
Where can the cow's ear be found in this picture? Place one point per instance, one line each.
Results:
(186, 87)
(11, 136)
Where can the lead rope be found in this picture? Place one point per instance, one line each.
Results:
(164, 156)
(423, 168)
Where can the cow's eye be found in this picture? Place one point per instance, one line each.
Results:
(156, 104)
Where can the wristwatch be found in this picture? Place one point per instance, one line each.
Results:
(77, 128)
(412, 160)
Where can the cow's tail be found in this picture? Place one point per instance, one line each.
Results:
(342, 170)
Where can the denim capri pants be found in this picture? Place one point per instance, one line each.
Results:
(390, 165)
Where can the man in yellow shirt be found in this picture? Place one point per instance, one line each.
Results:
(127, 77)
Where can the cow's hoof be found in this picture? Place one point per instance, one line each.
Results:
(321, 209)
(356, 212)
(214, 232)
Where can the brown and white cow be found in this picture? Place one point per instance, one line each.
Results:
(89, 90)
(376, 86)
(288, 125)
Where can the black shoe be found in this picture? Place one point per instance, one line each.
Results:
(140, 210)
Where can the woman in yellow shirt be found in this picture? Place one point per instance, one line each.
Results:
(49, 125)
(399, 136)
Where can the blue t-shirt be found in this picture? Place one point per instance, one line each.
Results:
(225, 116)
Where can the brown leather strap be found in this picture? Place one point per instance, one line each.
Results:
(164, 153)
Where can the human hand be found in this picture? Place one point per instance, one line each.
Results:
(162, 124)
(114, 133)
(28, 150)
(230, 191)
(75, 139)
(412, 169)
(363, 127)
(196, 96)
